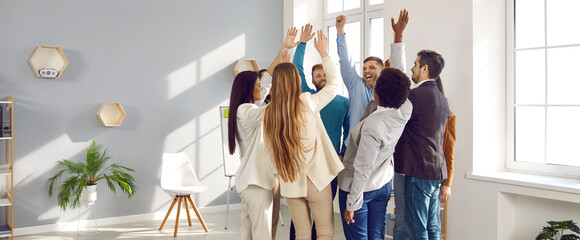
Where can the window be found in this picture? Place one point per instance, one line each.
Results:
(364, 29)
(543, 97)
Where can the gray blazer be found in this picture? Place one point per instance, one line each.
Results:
(368, 161)
(419, 152)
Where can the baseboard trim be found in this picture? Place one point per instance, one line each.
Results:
(72, 226)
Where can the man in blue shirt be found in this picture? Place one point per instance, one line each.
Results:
(335, 116)
(360, 89)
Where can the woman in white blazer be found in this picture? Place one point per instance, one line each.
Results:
(255, 176)
(300, 148)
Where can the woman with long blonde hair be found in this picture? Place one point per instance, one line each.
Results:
(300, 148)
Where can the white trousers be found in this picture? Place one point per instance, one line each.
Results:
(256, 222)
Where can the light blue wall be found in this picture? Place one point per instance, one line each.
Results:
(169, 63)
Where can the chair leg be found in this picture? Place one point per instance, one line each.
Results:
(197, 213)
(177, 218)
(187, 210)
(168, 212)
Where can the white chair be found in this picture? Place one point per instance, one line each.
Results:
(178, 178)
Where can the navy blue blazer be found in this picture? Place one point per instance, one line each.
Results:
(419, 152)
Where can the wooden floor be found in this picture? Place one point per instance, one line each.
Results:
(149, 229)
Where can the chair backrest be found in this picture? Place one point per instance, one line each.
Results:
(177, 171)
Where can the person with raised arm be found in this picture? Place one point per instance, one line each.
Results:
(255, 176)
(399, 231)
(335, 116)
(360, 89)
(365, 183)
(301, 151)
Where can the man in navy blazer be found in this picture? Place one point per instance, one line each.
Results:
(419, 152)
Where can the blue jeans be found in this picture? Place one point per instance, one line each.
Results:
(369, 220)
(421, 213)
(399, 231)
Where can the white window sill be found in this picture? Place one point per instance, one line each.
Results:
(567, 185)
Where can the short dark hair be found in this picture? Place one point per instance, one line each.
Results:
(376, 59)
(392, 88)
(432, 59)
(315, 67)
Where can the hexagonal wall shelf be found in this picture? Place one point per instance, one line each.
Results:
(246, 65)
(111, 114)
(48, 62)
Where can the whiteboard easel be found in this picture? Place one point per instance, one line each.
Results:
(231, 162)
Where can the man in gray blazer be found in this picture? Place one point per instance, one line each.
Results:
(419, 152)
(365, 182)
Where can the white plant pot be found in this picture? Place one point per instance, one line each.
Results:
(87, 222)
(89, 195)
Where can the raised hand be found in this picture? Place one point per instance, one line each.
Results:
(306, 33)
(400, 25)
(340, 22)
(284, 55)
(321, 44)
(290, 36)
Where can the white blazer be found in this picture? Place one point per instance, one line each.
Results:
(321, 163)
(255, 167)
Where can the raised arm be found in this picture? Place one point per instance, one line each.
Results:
(305, 36)
(288, 44)
(398, 57)
(320, 99)
(347, 68)
(283, 56)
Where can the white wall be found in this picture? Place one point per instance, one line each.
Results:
(169, 63)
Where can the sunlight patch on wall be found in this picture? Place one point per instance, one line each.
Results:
(480, 107)
(45, 157)
(223, 56)
(182, 79)
(187, 76)
(301, 16)
(180, 137)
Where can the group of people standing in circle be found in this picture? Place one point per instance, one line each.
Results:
(303, 143)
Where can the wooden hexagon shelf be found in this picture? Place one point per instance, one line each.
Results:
(111, 114)
(49, 59)
(246, 65)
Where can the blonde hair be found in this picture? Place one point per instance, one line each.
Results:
(283, 119)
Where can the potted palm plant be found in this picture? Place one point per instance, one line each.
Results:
(86, 174)
(556, 231)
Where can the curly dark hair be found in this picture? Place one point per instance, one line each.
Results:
(392, 88)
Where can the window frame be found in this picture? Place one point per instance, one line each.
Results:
(367, 32)
(359, 10)
(544, 168)
(362, 14)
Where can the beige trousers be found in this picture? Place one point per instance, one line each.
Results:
(256, 222)
(275, 206)
(319, 204)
